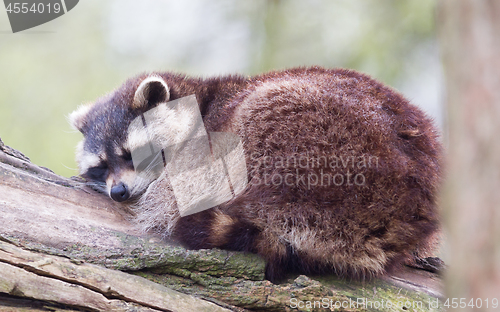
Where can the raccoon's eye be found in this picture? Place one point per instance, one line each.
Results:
(127, 156)
(98, 173)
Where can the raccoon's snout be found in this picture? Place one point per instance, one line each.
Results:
(119, 192)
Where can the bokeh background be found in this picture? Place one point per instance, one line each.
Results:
(46, 72)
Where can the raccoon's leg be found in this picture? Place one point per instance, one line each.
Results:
(422, 256)
(344, 253)
(275, 252)
(308, 251)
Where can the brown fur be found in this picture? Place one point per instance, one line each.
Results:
(353, 230)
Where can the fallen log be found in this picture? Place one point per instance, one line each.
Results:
(64, 246)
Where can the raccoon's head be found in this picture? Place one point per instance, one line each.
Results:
(104, 155)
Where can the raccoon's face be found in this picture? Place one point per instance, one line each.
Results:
(104, 155)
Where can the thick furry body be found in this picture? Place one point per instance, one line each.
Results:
(343, 171)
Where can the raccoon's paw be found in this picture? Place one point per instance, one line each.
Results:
(156, 210)
(430, 264)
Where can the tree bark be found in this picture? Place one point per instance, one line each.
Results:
(469, 33)
(65, 247)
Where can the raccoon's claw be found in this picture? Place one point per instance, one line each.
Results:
(431, 264)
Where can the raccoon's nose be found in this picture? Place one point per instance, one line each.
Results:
(119, 192)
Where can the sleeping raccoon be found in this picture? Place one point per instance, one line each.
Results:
(343, 172)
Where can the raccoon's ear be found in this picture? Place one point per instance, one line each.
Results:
(77, 118)
(151, 91)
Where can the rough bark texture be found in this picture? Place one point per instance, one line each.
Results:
(470, 40)
(65, 247)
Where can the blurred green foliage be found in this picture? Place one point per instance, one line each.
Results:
(48, 71)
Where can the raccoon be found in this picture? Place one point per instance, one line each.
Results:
(343, 172)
